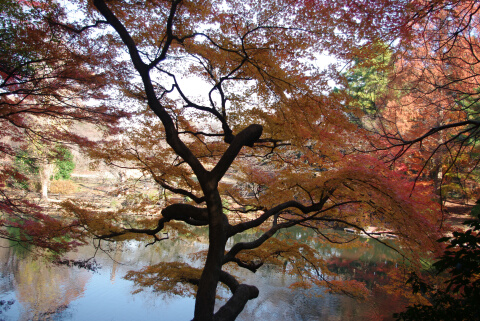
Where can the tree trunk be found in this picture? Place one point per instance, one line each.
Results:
(46, 170)
(205, 298)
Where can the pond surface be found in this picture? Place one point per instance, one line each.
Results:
(34, 289)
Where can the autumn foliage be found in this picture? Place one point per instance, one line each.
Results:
(427, 113)
(236, 119)
(48, 84)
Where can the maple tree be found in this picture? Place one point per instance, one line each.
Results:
(263, 143)
(429, 125)
(259, 141)
(46, 85)
(430, 112)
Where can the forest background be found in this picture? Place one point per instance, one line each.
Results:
(376, 142)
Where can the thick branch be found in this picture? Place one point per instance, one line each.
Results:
(122, 32)
(230, 256)
(246, 137)
(183, 212)
(317, 208)
(251, 266)
(275, 210)
(170, 36)
(242, 293)
(172, 189)
(194, 197)
(160, 226)
(179, 212)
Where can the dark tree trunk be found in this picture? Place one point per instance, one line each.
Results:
(217, 235)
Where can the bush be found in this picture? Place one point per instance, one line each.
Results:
(64, 163)
(27, 166)
(65, 187)
(458, 298)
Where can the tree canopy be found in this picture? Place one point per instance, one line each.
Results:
(429, 112)
(47, 83)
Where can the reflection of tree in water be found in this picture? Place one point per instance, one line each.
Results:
(45, 289)
(7, 266)
(374, 267)
(364, 260)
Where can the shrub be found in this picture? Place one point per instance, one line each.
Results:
(64, 163)
(65, 187)
(458, 297)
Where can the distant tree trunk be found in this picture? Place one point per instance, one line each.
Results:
(46, 171)
(436, 174)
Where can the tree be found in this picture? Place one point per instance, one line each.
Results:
(40, 163)
(265, 116)
(46, 84)
(436, 81)
(367, 80)
(65, 164)
(388, 110)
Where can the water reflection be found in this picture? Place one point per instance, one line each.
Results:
(43, 291)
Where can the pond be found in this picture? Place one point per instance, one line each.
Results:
(35, 289)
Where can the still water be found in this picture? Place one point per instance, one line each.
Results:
(34, 289)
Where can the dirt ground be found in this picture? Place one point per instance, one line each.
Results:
(457, 213)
